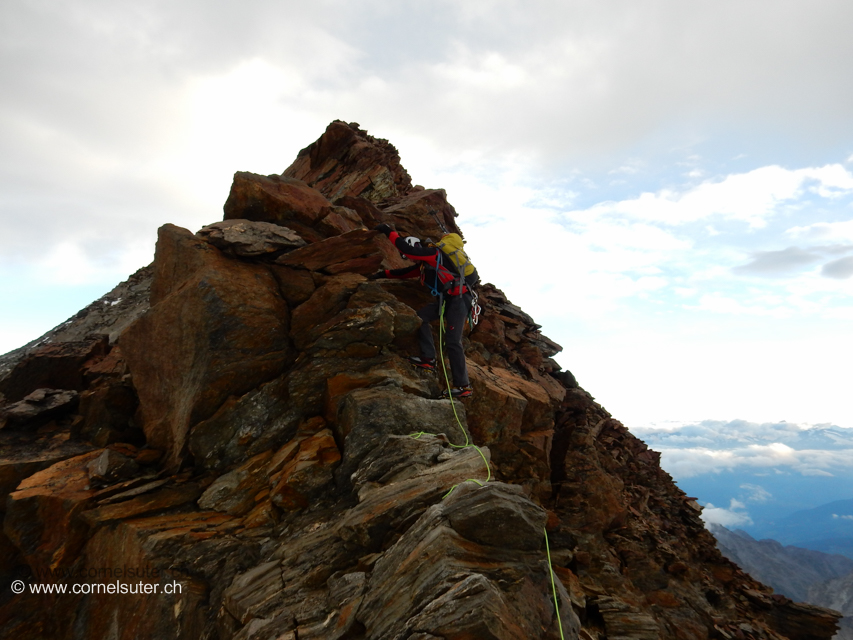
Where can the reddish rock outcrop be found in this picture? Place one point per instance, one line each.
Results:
(255, 441)
(346, 161)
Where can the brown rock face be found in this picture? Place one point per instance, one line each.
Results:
(43, 514)
(215, 328)
(253, 453)
(278, 200)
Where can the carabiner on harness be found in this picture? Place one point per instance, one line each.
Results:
(476, 309)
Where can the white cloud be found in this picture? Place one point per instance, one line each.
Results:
(756, 493)
(690, 450)
(570, 267)
(751, 197)
(827, 231)
(720, 303)
(734, 516)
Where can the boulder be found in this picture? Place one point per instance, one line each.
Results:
(153, 497)
(217, 327)
(263, 419)
(371, 294)
(324, 304)
(20, 460)
(419, 212)
(296, 284)
(367, 416)
(368, 212)
(359, 251)
(108, 409)
(279, 200)
(356, 332)
(309, 585)
(186, 559)
(394, 501)
(110, 466)
(39, 407)
(249, 239)
(435, 581)
(307, 474)
(394, 372)
(234, 492)
(398, 458)
(497, 515)
(296, 473)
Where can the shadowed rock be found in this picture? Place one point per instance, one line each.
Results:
(38, 407)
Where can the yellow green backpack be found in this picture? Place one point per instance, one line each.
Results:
(451, 245)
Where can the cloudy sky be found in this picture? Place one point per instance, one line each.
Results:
(753, 475)
(666, 186)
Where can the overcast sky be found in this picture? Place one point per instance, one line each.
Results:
(666, 186)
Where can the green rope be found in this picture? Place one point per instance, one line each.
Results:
(455, 413)
(553, 585)
(488, 468)
(453, 404)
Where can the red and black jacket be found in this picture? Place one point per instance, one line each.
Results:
(434, 269)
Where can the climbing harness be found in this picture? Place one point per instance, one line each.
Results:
(437, 288)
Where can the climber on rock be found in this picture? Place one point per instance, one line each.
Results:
(438, 271)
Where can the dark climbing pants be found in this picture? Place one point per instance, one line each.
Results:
(456, 310)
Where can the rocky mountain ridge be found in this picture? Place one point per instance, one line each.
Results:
(251, 435)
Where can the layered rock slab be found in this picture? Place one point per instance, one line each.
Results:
(438, 580)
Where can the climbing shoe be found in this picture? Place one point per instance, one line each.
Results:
(423, 363)
(458, 392)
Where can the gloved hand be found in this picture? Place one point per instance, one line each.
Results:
(384, 228)
(376, 276)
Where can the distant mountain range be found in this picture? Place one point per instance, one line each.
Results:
(767, 479)
(804, 575)
(828, 528)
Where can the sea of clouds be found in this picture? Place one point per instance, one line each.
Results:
(749, 474)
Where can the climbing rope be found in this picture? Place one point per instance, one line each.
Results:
(488, 468)
(468, 443)
(553, 584)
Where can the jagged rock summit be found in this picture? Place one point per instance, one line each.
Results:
(240, 450)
